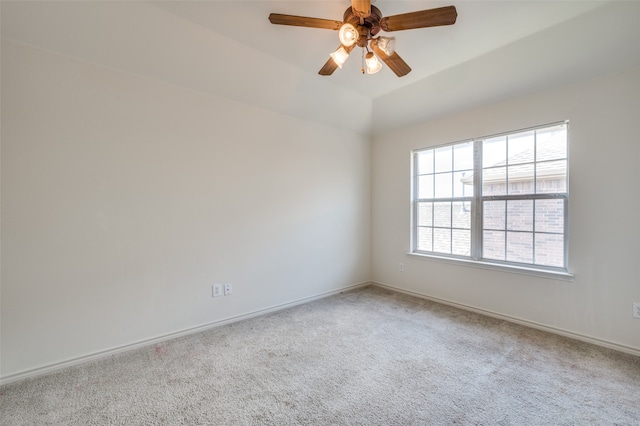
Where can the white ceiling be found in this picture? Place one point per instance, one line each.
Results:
(496, 49)
(481, 26)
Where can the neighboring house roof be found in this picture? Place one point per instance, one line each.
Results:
(551, 163)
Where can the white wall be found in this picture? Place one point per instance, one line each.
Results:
(124, 199)
(604, 239)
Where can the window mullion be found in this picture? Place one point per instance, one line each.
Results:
(453, 173)
(535, 162)
(476, 203)
(416, 203)
(566, 232)
(506, 220)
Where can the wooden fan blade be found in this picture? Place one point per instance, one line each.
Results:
(393, 61)
(330, 66)
(303, 21)
(424, 18)
(361, 8)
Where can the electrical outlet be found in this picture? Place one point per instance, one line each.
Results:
(228, 289)
(636, 309)
(216, 290)
(401, 267)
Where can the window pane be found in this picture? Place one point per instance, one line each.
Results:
(521, 148)
(550, 216)
(551, 143)
(520, 215)
(550, 250)
(442, 215)
(425, 214)
(444, 159)
(494, 151)
(494, 181)
(521, 179)
(442, 240)
(425, 187)
(425, 239)
(463, 184)
(551, 177)
(461, 215)
(493, 245)
(463, 156)
(494, 215)
(461, 242)
(425, 162)
(444, 188)
(520, 247)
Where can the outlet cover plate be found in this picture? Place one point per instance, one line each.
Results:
(217, 290)
(636, 309)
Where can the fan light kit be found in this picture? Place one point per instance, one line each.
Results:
(373, 64)
(348, 35)
(340, 56)
(359, 27)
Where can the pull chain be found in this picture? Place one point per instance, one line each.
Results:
(362, 69)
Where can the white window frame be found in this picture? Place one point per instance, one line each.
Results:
(475, 259)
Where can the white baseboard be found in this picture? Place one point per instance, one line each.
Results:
(49, 368)
(38, 371)
(566, 333)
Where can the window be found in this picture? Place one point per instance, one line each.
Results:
(501, 199)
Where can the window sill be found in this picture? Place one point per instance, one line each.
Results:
(522, 270)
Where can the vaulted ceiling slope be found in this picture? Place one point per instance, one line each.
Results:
(600, 41)
(496, 50)
(141, 39)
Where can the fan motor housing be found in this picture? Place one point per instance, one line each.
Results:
(370, 24)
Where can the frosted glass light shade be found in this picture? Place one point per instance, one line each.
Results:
(339, 56)
(373, 64)
(387, 45)
(348, 35)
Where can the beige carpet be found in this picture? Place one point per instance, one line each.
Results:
(366, 357)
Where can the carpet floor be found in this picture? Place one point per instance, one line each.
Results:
(363, 357)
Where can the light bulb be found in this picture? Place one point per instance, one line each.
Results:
(387, 45)
(339, 56)
(373, 65)
(348, 35)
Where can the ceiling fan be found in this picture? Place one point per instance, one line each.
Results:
(359, 27)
